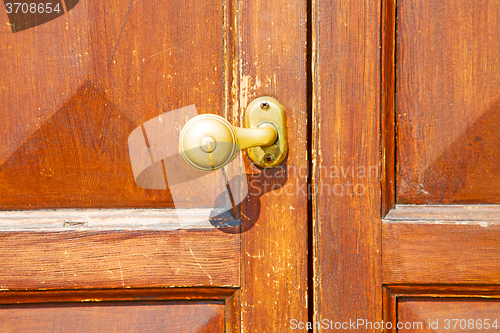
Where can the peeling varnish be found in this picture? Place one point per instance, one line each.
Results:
(244, 90)
(259, 256)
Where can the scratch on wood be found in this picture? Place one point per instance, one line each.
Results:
(120, 33)
(203, 269)
(121, 271)
(272, 241)
(259, 256)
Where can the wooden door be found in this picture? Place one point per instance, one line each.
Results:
(443, 232)
(410, 86)
(82, 247)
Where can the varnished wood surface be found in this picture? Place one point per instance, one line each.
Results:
(274, 245)
(74, 88)
(433, 313)
(448, 102)
(80, 258)
(195, 317)
(440, 252)
(346, 134)
(91, 297)
(389, 308)
(115, 295)
(388, 120)
(233, 312)
(441, 290)
(130, 62)
(440, 243)
(449, 300)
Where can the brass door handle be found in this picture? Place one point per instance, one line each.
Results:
(208, 142)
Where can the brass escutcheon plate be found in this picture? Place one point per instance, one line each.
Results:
(268, 111)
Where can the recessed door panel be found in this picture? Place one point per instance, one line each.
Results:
(114, 317)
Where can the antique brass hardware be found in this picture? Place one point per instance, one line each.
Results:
(208, 142)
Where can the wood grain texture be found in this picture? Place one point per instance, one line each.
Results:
(346, 139)
(401, 298)
(118, 258)
(90, 78)
(441, 290)
(227, 296)
(274, 245)
(115, 317)
(430, 314)
(115, 295)
(389, 310)
(74, 88)
(388, 120)
(448, 102)
(233, 312)
(440, 252)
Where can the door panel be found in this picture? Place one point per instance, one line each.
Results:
(441, 308)
(74, 225)
(141, 257)
(75, 88)
(448, 102)
(439, 244)
(114, 317)
(440, 236)
(448, 314)
(410, 86)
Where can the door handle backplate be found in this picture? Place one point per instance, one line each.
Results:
(209, 142)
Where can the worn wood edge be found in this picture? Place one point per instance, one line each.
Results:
(315, 224)
(232, 312)
(388, 117)
(167, 219)
(389, 309)
(393, 292)
(114, 295)
(454, 257)
(448, 290)
(120, 258)
(232, 71)
(274, 257)
(345, 297)
(443, 213)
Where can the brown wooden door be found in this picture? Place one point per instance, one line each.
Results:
(82, 247)
(443, 232)
(410, 86)
(386, 208)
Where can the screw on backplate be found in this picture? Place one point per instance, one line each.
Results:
(264, 105)
(268, 158)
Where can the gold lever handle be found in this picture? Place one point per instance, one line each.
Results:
(208, 142)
